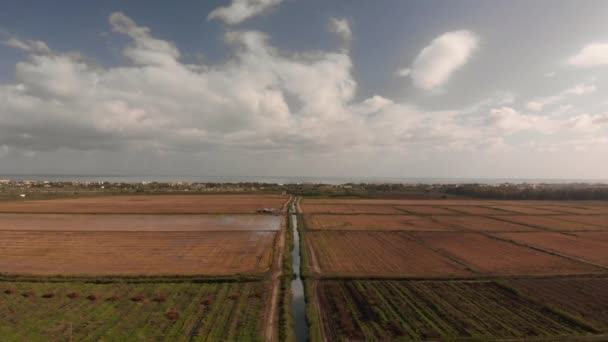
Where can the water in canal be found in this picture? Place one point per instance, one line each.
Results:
(298, 303)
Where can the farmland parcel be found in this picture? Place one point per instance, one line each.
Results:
(456, 269)
(193, 267)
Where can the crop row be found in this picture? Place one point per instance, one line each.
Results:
(90, 312)
(385, 310)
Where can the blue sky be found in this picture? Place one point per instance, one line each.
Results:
(331, 88)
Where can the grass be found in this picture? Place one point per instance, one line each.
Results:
(126, 311)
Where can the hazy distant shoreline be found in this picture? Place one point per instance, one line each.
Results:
(288, 179)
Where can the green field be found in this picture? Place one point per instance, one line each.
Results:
(31, 311)
(421, 310)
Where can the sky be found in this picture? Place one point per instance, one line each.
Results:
(386, 88)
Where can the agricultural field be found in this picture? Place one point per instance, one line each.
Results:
(482, 224)
(377, 254)
(425, 209)
(593, 249)
(141, 267)
(150, 204)
(412, 310)
(551, 223)
(477, 210)
(127, 312)
(584, 298)
(135, 253)
(455, 269)
(351, 209)
(589, 220)
(490, 256)
(141, 223)
(373, 222)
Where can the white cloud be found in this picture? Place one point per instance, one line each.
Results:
(441, 58)
(34, 46)
(241, 10)
(261, 99)
(590, 55)
(341, 27)
(540, 103)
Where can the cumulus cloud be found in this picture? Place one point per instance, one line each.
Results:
(261, 99)
(34, 46)
(341, 27)
(591, 55)
(241, 10)
(540, 103)
(441, 58)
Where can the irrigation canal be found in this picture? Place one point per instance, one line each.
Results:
(298, 302)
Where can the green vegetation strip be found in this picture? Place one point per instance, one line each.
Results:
(121, 311)
(130, 279)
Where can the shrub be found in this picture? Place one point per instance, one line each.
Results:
(48, 295)
(137, 298)
(160, 298)
(172, 314)
(112, 298)
(73, 295)
(92, 297)
(10, 291)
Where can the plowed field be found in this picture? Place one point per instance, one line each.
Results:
(349, 209)
(109, 222)
(593, 250)
(376, 253)
(373, 222)
(494, 257)
(526, 210)
(424, 209)
(554, 223)
(166, 204)
(137, 253)
(596, 220)
(481, 223)
(475, 210)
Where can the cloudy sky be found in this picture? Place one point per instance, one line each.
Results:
(425, 88)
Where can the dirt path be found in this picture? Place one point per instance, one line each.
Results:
(272, 318)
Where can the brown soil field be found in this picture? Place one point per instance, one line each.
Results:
(481, 223)
(493, 257)
(373, 222)
(422, 202)
(150, 204)
(79, 222)
(550, 223)
(593, 250)
(475, 210)
(597, 220)
(424, 209)
(576, 209)
(525, 210)
(584, 298)
(377, 253)
(349, 209)
(135, 253)
(595, 236)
